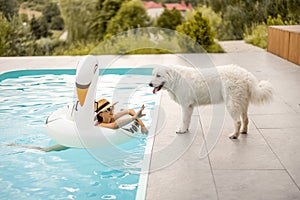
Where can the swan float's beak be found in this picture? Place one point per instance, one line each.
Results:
(82, 91)
(86, 73)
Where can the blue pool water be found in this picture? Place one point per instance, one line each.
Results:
(27, 98)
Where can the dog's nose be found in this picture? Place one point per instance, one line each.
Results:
(150, 84)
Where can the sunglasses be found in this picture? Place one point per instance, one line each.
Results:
(107, 110)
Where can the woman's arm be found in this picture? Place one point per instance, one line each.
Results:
(118, 123)
(132, 113)
(121, 113)
(122, 122)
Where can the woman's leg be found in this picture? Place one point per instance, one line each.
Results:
(57, 147)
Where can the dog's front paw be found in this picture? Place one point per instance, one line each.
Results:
(179, 131)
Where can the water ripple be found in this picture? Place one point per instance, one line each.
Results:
(113, 174)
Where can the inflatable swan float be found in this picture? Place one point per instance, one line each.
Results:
(73, 125)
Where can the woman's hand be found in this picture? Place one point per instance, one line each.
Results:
(139, 113)
(118, 123)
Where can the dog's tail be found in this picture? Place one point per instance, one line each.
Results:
(261, 92)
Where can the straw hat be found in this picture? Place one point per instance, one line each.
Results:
(103, 105)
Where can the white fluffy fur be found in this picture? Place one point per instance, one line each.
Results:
(191, 87)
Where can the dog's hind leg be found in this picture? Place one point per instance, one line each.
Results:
(245, 121)
(186, 119)
(236, 133)
(235, 112)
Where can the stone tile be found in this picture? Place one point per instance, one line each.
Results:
(239, 46)
(295, 104)
(255, 184)
(169, 106)
(169, 146)
(177, 165)
(206, 60)
(277, 106)
(216, 117)
(285, 143)
(179, 149)
(276, 121)
(169, 115)
(246, 60)
(248, 152)
(38, 62)
(183, 183)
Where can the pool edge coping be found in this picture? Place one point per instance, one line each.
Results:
(144, 175)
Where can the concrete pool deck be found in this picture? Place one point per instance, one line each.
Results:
(263, 164)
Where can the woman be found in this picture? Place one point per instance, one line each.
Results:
(105, 118)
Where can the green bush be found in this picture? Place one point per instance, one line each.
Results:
(139, 41)
(214, 19)
(5, 31)
(239, 15)
(76, 48)
(149, 51)
(258, 34)
(200, 31)
(233, 24)
(215, 48)
(131, 15)
(169, 19)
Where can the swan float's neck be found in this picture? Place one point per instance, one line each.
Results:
(86, 85)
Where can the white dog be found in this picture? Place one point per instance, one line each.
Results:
(191, 87)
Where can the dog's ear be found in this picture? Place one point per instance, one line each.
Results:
(168, 72)
(171, 73)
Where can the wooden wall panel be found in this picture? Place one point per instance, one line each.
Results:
(294, 50)
(284, 41)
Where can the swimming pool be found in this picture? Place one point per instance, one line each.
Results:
(28, 97)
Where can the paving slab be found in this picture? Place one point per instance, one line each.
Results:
(177, 166)
(248, 152)
(255, 184)
(276, 121)
(236, 46)
(285, 144)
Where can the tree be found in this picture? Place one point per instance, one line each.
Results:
(78, 16)
(15, 38)
(199, 30)
(99, 4)
(52, 16)
(9, 8)
(214, 19)
(234, 24)
(106, 10)
(39, 28)
(293, 10)
(34, 27)
(131, 15)
(50, 10)
(57, 23)
(5, 31)
(240, 15)
(169, 19)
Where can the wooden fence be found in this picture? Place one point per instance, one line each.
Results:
(284, 41)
